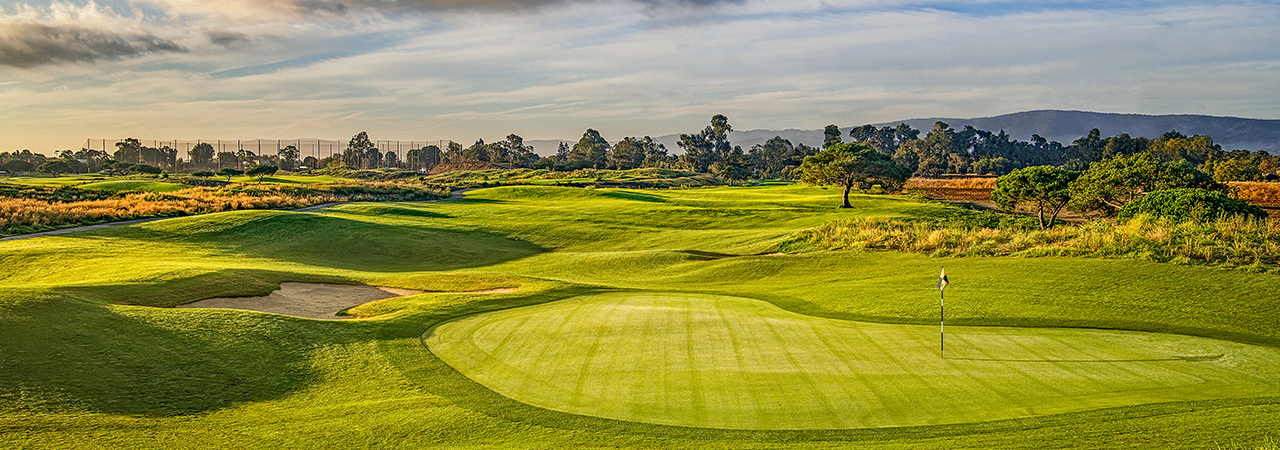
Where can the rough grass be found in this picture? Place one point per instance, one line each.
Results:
(1233, 241)
(26, 212)
(82, 366)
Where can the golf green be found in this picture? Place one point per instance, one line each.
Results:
(735, 363)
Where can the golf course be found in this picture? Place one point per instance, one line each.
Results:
(565, 317)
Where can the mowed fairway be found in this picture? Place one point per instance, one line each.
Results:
(729, 362)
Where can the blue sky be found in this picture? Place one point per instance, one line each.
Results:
(549, 69)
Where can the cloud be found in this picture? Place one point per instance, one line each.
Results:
(338, 7)
(228, 39)
(28, 45)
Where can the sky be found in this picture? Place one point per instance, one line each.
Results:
(549, 69)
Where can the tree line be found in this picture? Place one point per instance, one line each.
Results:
(941, 151)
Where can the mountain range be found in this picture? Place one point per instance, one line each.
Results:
(1231, 133)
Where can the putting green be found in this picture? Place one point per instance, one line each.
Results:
(727, 362)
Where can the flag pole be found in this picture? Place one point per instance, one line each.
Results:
(942, 313)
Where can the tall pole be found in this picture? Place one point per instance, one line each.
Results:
(942, 313)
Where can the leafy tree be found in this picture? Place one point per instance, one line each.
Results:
(202, 174)
(228, 159)
(201, 155)
(517, 153)
(1236, 170)
(706, 148)
(992, 165)
(261, 171)
(629, 153)
(476, 152)
(230, 172)
(17, 165)
(358, 150)
(1174, 146)
(831, 136)
(1107, 185)
(129, 150)
(1047, 188)
(310, 162)
(145, 168)
(1089, 147)
(591, 150)
(424, 158)
(120, 166)
(853, 165)
(1188, 204)
(54, 167)
(289, 155)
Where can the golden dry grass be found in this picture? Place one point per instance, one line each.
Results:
(22, 215)
(1261, 194)
(975, 188)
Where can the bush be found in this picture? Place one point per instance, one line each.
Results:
(1188, 204)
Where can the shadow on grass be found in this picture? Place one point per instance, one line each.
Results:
(221, 283)
(64, 355)
(329, 241)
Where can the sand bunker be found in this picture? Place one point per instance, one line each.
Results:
(309, 300)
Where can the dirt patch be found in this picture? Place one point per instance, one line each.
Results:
(309, 300)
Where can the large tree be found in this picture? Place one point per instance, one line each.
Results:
(831, 136)
(200, 155)
(358, 150)
(590, 151)
(853, 165)
(260, 171)
(1044, 188)
(704, 149)
(289, 156)
(1107, 185)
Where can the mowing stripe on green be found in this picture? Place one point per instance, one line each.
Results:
(727, 362)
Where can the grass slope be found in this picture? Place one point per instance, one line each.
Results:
(134, 186)
(83, 364)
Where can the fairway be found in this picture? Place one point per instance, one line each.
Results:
(729, 362)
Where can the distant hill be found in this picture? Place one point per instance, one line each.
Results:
(1065, 126)
(1056, 125)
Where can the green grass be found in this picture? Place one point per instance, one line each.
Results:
(286, 179)
(134, 186)
(52, 181)
(83, 363)
(727, 362)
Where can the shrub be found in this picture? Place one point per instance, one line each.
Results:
(1188, 204)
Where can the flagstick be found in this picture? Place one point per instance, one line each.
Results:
(942, 324)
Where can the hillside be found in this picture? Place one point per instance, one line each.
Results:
(1056, 125)
(1065, 126)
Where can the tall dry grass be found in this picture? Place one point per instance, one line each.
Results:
(1261, 194)
(952, 183)
(973, 188)
(1234, 241)
(36, 212)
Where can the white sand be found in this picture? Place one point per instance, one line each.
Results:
(309, 300)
